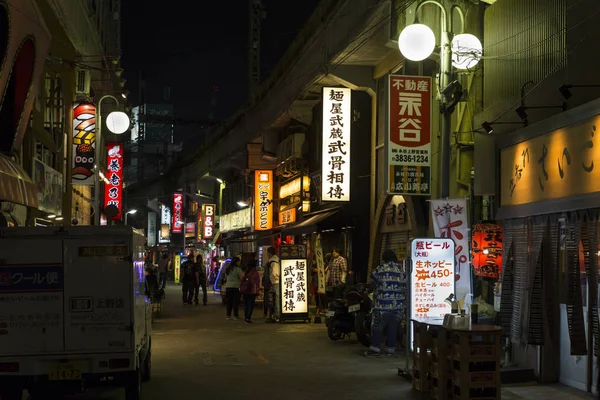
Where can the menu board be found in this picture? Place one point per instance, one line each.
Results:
(432, 277)
(294, 282)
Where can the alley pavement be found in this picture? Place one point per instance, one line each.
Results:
(197, 353)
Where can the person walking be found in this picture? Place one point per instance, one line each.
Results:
(190, 277)
(199, 265)
(163, 269)
(249, 289)
(389, 303)
(233, 281)
(336, 274)
(274, 274)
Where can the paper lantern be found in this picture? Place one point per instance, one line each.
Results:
(487, 250)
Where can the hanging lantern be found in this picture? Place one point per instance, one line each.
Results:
(487, 250)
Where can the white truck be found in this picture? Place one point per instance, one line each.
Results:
(73, 310)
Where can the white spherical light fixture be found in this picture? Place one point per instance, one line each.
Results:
(117, 122)
(416, 42)
(466, 51)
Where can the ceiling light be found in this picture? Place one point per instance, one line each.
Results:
(51, 216)
(487, 127)
(59, 218)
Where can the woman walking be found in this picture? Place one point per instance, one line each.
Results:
(233, 276)
(249, 289)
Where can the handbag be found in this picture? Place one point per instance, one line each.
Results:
(247, 286)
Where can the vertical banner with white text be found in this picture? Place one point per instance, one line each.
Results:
(208, 221)
(335, 162)
(408, 141)
(450, 221)
(294, 282)
(113, 189)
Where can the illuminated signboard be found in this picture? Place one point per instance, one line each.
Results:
(294, 282)
(294, 187)
(113, 190)
(177, 213)
(84, 144)
(200, 225)
(263, 200)
(164, 233)
(287, 216)
(208, 221)
(408, 141)
(337, 120)
(432, 277)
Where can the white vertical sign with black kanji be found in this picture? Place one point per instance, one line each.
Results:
(337, 120)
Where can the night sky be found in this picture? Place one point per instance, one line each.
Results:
(191, 49)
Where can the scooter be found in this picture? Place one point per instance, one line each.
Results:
(340, 314)
(362, 325)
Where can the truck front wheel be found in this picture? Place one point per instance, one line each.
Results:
(133, 386)
(11, 393)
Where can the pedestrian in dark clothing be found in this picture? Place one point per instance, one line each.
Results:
(201, 281)
(189, 280)
(163, 268)
(233, 280)
(249, 289)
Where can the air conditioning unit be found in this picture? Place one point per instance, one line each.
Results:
(82, 81)
(290, 148)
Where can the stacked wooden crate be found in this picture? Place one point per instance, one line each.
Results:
(441, 363)
(476, 363)
(421, 357)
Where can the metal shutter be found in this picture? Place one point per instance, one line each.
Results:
(589, 238)
(506, 304)
(574, 301)
(549, 273)
(534, 314)
(395, 241)
(520, 280)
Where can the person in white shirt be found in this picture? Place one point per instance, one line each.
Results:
(274, 274)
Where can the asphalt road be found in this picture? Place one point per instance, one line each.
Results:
(197, 353)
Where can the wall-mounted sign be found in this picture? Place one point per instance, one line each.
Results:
(151, 240)
(287, 216)
(113, 190)
(408, 140)
(555, 165)
(294, 282)
(177, 213)
(164, 233)
(241, 219)
(396, 216)
(431, 277)
(199, 220)
(49, 183)
(294, 187)
(208, 221)
(320, 265)
(263, 200)
(190, 229)
(84, 144)
(337, 121)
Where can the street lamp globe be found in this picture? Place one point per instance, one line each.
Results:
(117, 122)
(416, 42)
(466, 51)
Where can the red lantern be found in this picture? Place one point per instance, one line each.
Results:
(487, 250)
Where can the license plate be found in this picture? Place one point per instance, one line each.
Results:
(64, 372)
(354, 308)
(330, 313)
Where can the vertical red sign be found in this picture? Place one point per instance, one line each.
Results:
(177, 213)
(113, 190)
(208, 222)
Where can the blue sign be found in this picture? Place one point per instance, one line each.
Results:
(31, 278)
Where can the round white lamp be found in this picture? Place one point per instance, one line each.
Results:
(117, 122)
(466, 51)
(416, 42)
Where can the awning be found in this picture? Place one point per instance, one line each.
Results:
(15, 185)
(310, 224)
